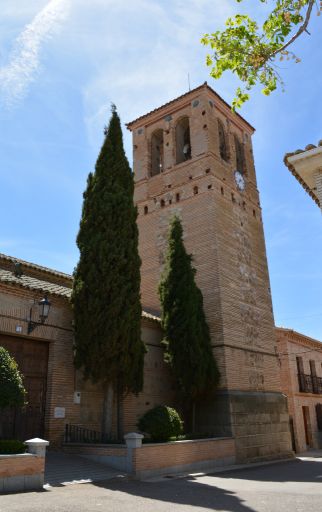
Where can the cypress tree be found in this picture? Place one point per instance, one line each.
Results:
(106, 290)
(187, 338)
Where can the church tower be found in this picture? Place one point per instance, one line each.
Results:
(193, 157)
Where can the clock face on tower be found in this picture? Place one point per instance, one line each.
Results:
(240, 180)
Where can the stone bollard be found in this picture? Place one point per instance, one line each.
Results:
(37, 446)
(133, 440)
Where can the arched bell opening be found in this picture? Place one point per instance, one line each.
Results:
(183, 142)
(157, 155)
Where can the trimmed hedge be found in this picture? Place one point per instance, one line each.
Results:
(11, 446)
(161, 423)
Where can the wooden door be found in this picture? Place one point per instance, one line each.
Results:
(32, 358)
(307, 426)
(292, 434)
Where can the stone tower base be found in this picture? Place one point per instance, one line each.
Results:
(259, 421)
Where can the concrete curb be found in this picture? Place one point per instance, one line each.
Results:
(223, 469)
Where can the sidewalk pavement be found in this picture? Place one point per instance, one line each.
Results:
(64, 469)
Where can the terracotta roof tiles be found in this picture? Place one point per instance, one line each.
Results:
(6, 276)
(43, 285)
(35, 266)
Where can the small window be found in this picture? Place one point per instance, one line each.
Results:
(183, 143)
(233, 198)
(162, 203)
(195, 190)
(223, 146)
(222, 191)
(240, 155)
(157, 158)
(146, 210)
(177, 197)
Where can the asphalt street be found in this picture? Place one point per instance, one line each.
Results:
(293, 486)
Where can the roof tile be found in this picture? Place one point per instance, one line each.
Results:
(34, 284)
(6, 276)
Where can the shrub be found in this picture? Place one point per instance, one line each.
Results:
(12, 391)
(162, 423)
(11, 446)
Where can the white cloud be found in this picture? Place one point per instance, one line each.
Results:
(141, 52)
(24, 60)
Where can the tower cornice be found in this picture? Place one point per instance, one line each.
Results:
(179, 102)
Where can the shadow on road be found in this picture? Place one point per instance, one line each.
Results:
(183, 491)
(192, 492)
(291, 471)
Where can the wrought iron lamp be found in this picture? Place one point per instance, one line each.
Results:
(44, 307)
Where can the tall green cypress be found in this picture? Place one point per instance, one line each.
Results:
(106, 290)
(186, 332)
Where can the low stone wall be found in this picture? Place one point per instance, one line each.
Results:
(153, 459)
(115, 456)
(23, 472)
(182, 456)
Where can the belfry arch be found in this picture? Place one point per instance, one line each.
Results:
(157, 154)
(183, 141)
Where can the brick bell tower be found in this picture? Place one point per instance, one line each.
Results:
(193, 157)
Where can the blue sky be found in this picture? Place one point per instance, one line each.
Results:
(62, 63)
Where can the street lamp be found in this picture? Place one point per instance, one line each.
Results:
(44, 307)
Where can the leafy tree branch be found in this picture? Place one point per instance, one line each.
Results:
(250, 51)
(303, 28)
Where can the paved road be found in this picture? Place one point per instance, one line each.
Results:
(294, 486)
(63, 469)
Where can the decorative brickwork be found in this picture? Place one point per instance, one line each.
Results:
(224, 233)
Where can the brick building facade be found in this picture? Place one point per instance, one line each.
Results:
(57, 394)
(301, 377)
(193, 157)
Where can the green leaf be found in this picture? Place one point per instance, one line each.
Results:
(247, 49)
